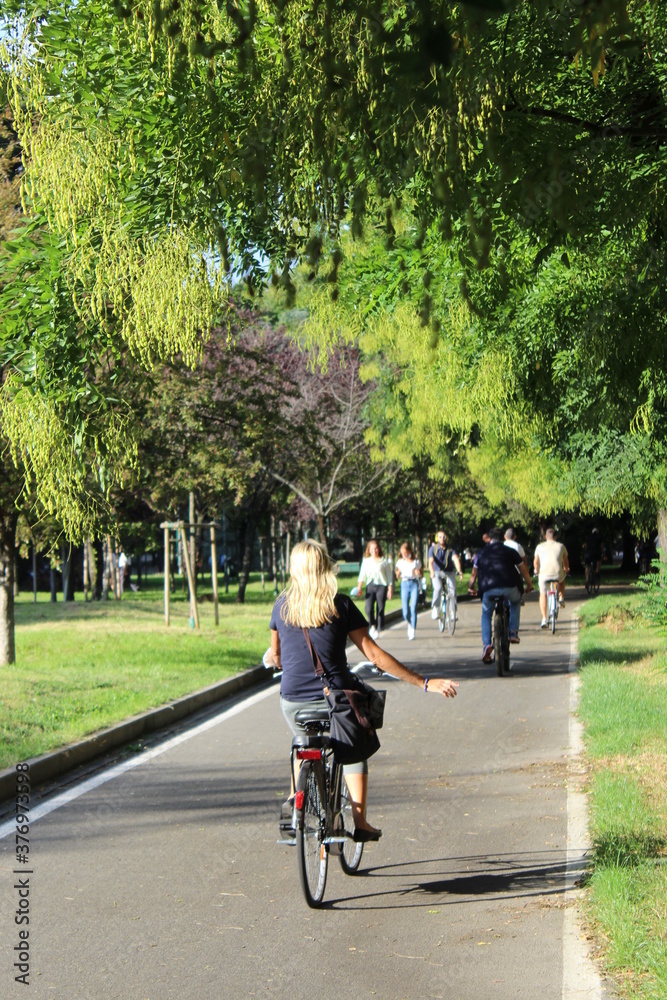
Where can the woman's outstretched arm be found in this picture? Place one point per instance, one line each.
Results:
(384, 661)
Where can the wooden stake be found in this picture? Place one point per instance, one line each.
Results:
(167, 574)
(214, 574)
(194, 612)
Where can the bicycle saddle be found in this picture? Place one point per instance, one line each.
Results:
(306, 715)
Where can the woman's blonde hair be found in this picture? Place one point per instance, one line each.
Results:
(309, 598)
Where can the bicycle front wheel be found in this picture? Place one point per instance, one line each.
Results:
(311, 851)
(442, 614)
(350, 854)
(596, 583)
(450, 615)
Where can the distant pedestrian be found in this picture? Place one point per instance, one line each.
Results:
(375, 575)
(409, 571)
(472, 583)
(123, 571)
(511, 543)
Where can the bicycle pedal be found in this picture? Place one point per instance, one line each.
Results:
(291, 842)
(337, 840)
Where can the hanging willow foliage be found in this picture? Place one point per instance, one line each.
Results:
(55, 456)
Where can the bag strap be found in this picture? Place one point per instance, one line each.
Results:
(317, 663)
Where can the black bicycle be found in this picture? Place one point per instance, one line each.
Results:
(501, 636)
(592, 578)
(322, 820)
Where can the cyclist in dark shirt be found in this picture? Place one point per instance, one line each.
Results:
(497, 566)
(592, 552)
(311, 602)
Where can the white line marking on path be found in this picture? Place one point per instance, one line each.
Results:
(581, 980)
(50, 805)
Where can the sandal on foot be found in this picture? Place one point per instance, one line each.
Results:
(364, 836)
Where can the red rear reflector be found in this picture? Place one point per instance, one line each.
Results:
(298, 801)
(309, 755)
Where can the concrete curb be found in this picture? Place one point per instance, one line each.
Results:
(58, 762)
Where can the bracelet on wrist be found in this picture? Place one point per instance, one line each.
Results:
(426, 680)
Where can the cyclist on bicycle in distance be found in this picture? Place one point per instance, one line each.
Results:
(497, 577)
(550, 562)
(592, 552)
(311, 602)
(443, 563)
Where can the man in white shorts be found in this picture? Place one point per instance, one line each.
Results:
(550, 562)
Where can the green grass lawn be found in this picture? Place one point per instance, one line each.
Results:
(83, 666)
(624, 708)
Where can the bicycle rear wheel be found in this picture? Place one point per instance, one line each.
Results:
(553, 610)
(311, 851)
(596, 583)
(350, 853)
(500, 645)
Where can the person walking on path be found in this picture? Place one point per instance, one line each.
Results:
(409, 571)
(375, 574)
(496, 577)
(444, 565)
(472, 583)
(311, 602)
(511, 542)
(550, 562)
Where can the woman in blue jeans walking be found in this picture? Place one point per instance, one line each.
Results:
(408, 571)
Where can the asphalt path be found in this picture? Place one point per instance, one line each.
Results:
(166, 880)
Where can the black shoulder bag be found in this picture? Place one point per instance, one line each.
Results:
(354, 716)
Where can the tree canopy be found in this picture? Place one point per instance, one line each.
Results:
(499, 166)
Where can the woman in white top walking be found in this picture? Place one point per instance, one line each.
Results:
(375, 574)
(409, 571)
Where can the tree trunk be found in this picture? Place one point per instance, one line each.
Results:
(192, 515)
(662, 534)
(322, 531)
(98, 559)
(7, 565)
(628, 565)
(274, 565)
(248, 543)
(54, 585)
(68, 573)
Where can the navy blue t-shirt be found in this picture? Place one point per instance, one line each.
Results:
(299, 681)
(442, 558)
(497, 567)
